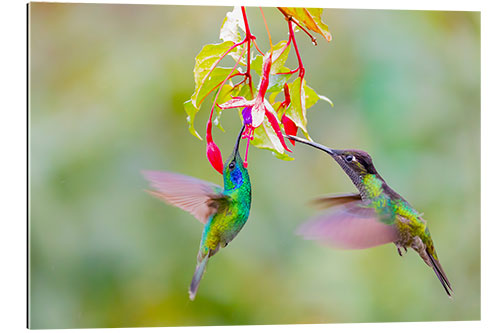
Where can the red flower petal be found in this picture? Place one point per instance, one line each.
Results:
(236, 102)
(290, 127)
(286, 91)
(264, 81)
(213, 152)
(276, 127)
(214, 156)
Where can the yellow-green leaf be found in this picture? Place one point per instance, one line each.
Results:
(224, 96)
(266, 138)
(256, 64)
(215, 78)
(277, 81)
(205, 63)
(280, 56)
(206, 78)
(302, 97)
(310, 18)
(191, 111)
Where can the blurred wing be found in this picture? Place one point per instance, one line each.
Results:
(337, 199)
(198, 197)
(350, 226)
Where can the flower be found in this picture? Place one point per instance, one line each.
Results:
(213, 152)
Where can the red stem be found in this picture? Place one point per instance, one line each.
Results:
(248, 39)
(292, 37)
(255, 44)
(290, 72)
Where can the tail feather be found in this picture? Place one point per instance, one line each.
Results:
(436, 266)
(198, 274)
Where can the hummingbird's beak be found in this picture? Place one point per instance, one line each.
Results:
(237, 146)
(329, 151)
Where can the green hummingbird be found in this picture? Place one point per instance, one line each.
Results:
(224, 211)
(376, 215)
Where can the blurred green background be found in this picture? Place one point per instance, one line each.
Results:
(106, 94)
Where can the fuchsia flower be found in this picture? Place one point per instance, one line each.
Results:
(213, 152)
(256, 109)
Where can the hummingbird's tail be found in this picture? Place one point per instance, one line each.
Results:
(198, 274)
(436, 266)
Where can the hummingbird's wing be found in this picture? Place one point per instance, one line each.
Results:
(198, 197)
(336, 199)
(349, 226)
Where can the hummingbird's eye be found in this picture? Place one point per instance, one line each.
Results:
(232, 165)
(350, 158)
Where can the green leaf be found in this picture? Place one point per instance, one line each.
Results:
(217, 76)
(297, 109)
(243, 90)
(229, 30)
(310, 18)
(266, 138)
(272, 97)
(277, 81)
(206, 78)
(191, 111)
(206, 60)
(283, 157)
(280, 56)
(311, 96)
(302, 97)
(193, 105)
(224, 96)
(256, 64)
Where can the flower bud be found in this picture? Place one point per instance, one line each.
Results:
(214, 156)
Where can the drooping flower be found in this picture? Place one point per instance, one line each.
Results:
(213, 152)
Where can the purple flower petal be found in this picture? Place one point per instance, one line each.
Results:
(247, 115)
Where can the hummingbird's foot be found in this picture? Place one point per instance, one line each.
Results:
(399, 250)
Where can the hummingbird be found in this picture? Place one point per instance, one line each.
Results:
(376, 215)
(223, 211)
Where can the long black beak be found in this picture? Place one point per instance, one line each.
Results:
(329, 151)
(237, 146)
